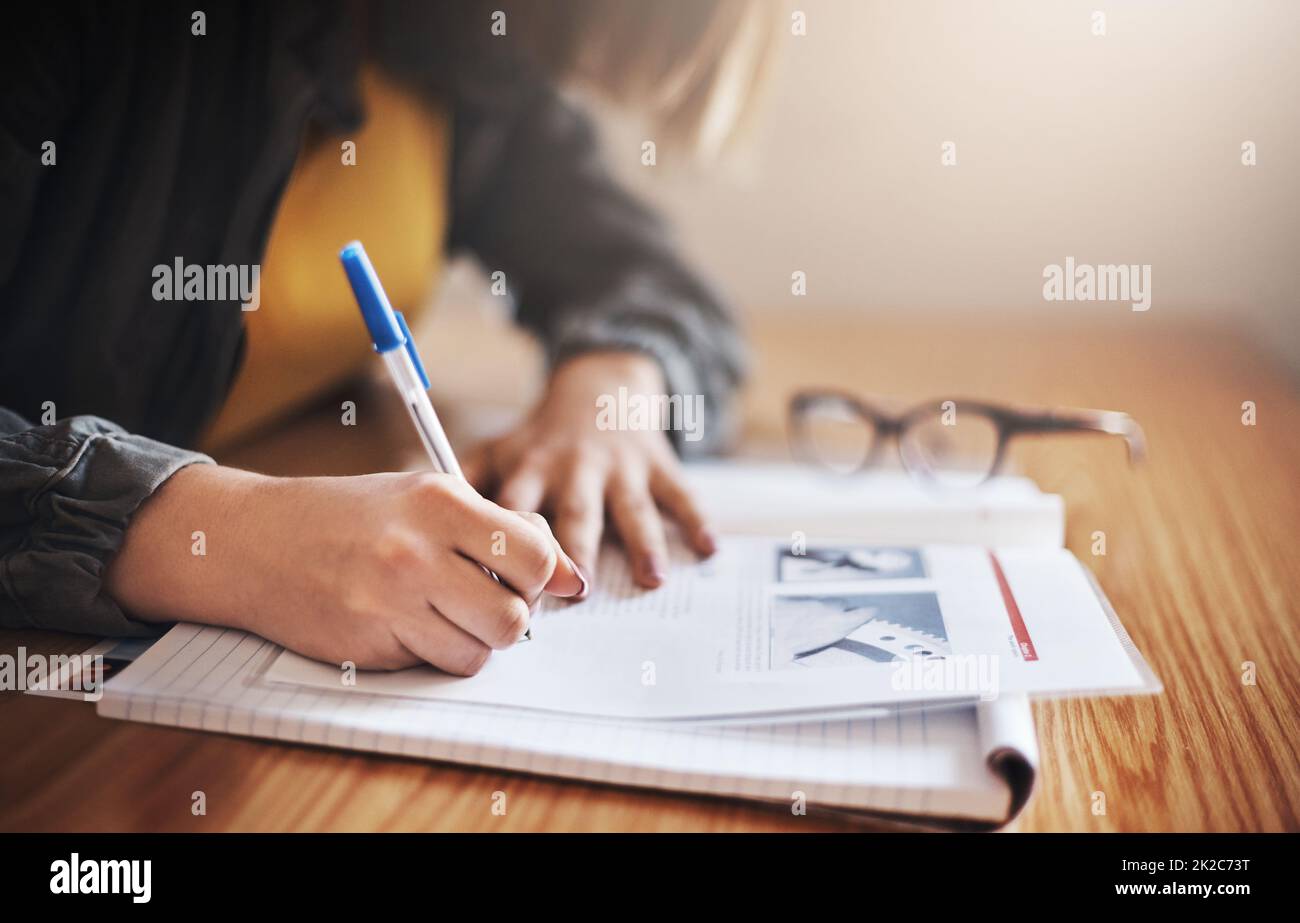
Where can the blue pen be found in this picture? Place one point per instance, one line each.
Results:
(393, 341)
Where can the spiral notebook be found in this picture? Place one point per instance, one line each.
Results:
(965, 766)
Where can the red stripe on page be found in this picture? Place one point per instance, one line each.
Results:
(1013, 612)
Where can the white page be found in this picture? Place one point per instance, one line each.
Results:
(758, 631)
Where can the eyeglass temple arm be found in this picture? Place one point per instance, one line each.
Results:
(1113, 422)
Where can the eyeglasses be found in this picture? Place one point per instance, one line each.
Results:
(953, 443)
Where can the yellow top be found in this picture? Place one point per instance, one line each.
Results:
(307, 336)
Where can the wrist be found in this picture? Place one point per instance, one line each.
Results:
(183, 557)
(608, 370)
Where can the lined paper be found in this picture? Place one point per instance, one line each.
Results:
(922, 762)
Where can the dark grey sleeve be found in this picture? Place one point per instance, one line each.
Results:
(67, 493)
(588, 266)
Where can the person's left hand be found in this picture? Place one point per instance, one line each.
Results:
(559, 462)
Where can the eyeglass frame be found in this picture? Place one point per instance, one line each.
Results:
(1010, 421)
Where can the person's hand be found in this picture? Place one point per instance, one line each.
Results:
(382, 570)
(558, 461)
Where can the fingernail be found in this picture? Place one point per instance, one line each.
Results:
(706, 542)
(651, 570)
(582, 593)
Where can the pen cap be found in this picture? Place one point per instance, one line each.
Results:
(375, 309)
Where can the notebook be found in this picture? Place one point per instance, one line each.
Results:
(970, 765)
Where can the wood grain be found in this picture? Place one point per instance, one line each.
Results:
(1201, 566)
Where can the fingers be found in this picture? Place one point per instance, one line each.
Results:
(435, 640)
(505, 544)
(667, 488)
(492, 612)
(523, 554)
(568, 580)
(474, 602)
(522, 490)
(637, 520)
(578, 508)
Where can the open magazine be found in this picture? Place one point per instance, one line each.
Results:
(764, 631)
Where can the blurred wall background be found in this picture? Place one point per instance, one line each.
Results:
(1117, 148)
(1122, 148)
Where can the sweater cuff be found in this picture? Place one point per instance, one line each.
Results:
(96, 477)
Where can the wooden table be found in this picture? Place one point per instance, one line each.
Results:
(1201, 565)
